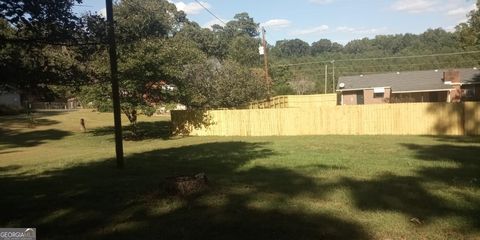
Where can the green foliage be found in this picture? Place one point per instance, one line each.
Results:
(46, 20)
(31, 33)
(140, 19)
(213, 44)
(325, 46)
(291, 48)
(432, 41)
(148, 66)
(469, 33)
(97, 96)
(281, 77)
(244, 50)
(220, 85)
(242, 24)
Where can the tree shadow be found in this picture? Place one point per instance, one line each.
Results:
(397, 194)
(466, 158)
(14, 139)
(451, 125)
(26, 122)
(9, 168)
(95, 201)
(146, 130)
(413, 197)
(185, 122)
(457, 139)
(465, 173)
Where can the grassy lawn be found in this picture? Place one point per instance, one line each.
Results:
(64, 183)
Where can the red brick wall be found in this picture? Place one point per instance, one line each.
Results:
(370, 98)
(452, 76)
(350, 97)
(456, 94)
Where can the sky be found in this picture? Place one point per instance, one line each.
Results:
(338, 20)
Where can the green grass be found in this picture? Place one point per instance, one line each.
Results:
(64, 183)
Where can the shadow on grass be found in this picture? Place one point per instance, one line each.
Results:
(413, 196)
(13, 139)
(96, 201)
(457, 139)
(147, 130)
(25, 121)
(10, 168)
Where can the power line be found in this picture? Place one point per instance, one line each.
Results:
(378, 58)
(400, 67)
(213, 14)
(474, 62)
(48, 42)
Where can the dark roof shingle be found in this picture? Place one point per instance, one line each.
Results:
(407, 81)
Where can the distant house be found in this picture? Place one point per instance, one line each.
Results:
(10, 97)
(416, 86)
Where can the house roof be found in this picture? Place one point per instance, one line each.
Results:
(408, 81)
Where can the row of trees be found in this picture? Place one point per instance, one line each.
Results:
(290, 76)
(432, 40)
(163, 57)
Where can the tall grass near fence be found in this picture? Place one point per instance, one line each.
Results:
(381, 119)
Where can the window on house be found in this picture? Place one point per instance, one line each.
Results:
(468, 92)
(378, 92)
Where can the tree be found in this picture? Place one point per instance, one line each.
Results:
(302, 85)
(141, 19)
(242, 24)
(212, 43)
(151, 56)
(244, 50)
(41, 21)
(359, 46)
(221, 85)
(321, 46)
(38, 41)
(281, 77)
(292, 48)
(469, 33)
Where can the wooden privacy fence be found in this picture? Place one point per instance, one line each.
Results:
(382, 119)
(295, 101)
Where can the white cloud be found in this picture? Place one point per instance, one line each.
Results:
(414, 6)
(277, 23)
(309, 31)
(362, 31)
(191, 8)
(345, 29)
(321, 1)
(450, 29)
(461, 11)
(463, 20)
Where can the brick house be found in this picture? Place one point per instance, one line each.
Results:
(416, 86)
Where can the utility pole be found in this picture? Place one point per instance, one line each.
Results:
(326, 77)
(333, 76)
(115, 89)
(265, 58)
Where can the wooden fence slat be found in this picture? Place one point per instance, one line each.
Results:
(381, 119)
